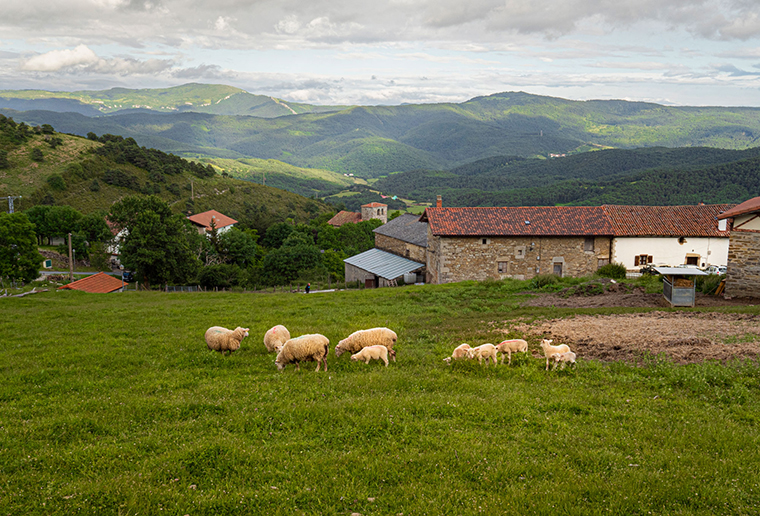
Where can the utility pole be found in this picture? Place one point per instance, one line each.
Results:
(71, 263)
(192, 191)
(10, 201)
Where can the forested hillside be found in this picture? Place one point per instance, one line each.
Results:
(371, 142)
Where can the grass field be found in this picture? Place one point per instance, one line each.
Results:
(111, 404)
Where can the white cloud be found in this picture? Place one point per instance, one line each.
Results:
(58, 59)
(83, 60)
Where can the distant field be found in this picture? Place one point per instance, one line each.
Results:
(111, 404)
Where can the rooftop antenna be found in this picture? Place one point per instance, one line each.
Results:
(10, 201)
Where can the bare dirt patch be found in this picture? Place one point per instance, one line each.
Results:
(685, 337)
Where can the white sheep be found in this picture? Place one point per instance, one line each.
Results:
(221, 339)
(507, 347)
(275, 337)
(363, 338)
(487, 351)
(306, 348)
(563, 358)
(459, 353)
(549, 350)
(376, 352)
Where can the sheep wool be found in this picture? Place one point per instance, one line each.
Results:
(563, 358)
(459, 353)
(306, 348)
(507, 347)
(363, 338)
(221, 339)
(275, 337)
(376, 352)
(487, 351)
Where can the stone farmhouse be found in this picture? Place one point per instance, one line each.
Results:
(373, 210)
(743, 273)
(523, 242)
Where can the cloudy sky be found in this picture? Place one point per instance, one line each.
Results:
(679, 52)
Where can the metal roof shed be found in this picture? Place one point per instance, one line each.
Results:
(678, 287)
(381, 264)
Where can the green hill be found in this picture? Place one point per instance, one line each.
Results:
(45, 167)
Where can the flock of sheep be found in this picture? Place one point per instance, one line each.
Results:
(366, 345)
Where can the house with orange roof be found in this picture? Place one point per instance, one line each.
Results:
(743, 271)
(100, 283)
(373, 210)
(203, 221)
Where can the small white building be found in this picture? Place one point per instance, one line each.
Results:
(202, 221)
(668, 235)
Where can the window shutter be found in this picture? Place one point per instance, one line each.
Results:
(636, 261)
(649, 259)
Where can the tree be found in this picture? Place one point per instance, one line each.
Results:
(276, 235)
(158, 246)
(238, 247)
(19, 259)
(296, 255)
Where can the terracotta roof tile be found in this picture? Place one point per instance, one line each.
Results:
(100, 283)
(695, 220)
(518, 221)
(204, 219)
(745, 207)
(374, 205)
(344, 217)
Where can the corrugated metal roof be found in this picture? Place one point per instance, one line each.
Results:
(680, 271)
(383, 264)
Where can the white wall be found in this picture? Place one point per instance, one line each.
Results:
(750, 221)
(668, 251)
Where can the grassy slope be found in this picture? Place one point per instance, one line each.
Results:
(227, 195)
(121, 408)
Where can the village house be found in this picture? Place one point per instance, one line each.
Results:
(743, 272)
(202, 221)
(523, 242)
(373, 210)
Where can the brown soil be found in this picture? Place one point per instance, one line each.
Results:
(684, 336)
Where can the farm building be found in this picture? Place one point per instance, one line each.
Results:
(405, 236)
(378, 268)
(202, 221)
(100, 283)
(373, 210)
(743, 273)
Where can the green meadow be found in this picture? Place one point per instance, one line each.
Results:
(112, 404)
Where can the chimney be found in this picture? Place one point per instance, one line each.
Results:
(438, 202)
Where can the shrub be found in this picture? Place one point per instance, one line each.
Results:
(56, 182)
(543, 280)
(612, 270)
(708, 284)
(37, 154)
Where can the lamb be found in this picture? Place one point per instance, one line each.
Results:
(306, 348)
(549, 350)
(507, 347)
(376, 352)
(459, 353)
(564, 358)
(221, 339)
(363, 338)
(487, 351)
(275, 337)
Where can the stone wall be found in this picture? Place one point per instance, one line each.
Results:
(452, 259)
(401, 248)
(743, 275)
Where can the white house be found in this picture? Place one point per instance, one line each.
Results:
(202, 221)
(668, 235)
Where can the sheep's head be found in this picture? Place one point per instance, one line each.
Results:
(339, 348)
(242, 331)
(447, 360)
(556, 357)
(546, 342)
(354, 358)
(471, 353)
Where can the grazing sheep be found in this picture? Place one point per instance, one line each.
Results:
(221, 339)
(306, 348)
(275, 337)
(363, 338)
(563, 358)
(549, 350)
(376, 352)
(487, 351)
(507, 347)
(459, 353)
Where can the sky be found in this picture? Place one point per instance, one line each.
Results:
(389, 52)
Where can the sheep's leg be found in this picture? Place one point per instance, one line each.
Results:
(298, 366)
(547, 363)
(510, 359)
(319, 364)
(385, 359)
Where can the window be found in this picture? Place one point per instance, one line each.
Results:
(601, 262)
(484, 241)
(588, 244)
(503, 267)
(692, 260)
(557, 270)
(642, 259)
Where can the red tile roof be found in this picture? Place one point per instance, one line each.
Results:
(100, 283)
(374, 205)
(695, 221)
(204, 219)
(745, 207)
(522, 221)
(344, 217)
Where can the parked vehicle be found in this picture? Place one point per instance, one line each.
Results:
(716, 269)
